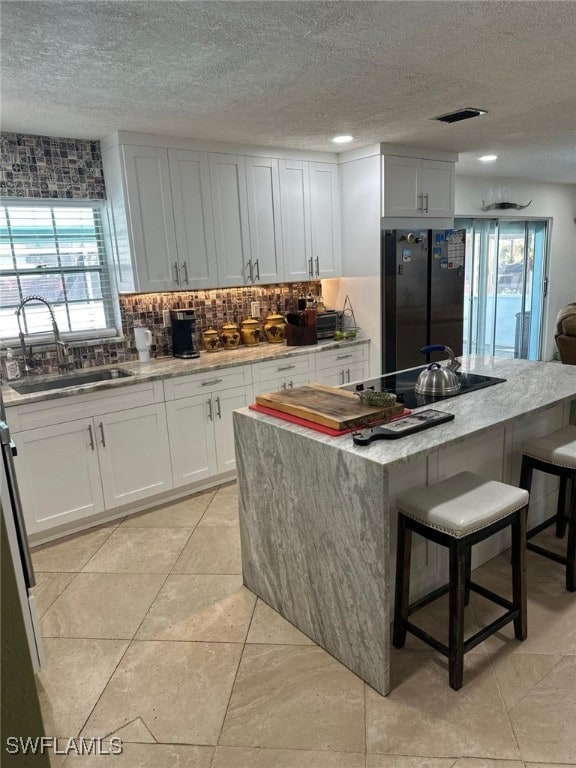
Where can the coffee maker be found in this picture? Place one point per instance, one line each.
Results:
(183, 324)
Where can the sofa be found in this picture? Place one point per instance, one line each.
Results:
(565, 334)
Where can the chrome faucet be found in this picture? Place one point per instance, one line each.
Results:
(61, 346)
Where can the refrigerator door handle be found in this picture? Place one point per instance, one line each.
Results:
(18, 513)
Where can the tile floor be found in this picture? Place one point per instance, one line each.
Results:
(151, 636)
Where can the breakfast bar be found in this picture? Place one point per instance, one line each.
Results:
(317, 513)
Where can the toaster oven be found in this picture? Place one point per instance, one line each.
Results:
(328, 323)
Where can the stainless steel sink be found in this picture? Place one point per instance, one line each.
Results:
(68, 380)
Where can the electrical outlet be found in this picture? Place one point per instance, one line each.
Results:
(166, 318)
(255, 309)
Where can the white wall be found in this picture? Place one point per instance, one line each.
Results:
(549, 201)
(359, 181)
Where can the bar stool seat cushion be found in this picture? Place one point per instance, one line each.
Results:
(462, 504)
(557, 448)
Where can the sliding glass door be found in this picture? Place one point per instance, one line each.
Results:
(505, 286)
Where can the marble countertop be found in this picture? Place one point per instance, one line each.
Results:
(529, 387)
(171, 367)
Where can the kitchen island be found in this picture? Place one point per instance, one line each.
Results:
(317, 516)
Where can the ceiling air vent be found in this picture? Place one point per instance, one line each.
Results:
(462, 114)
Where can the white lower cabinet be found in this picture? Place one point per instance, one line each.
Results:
(58, 474)
(75, 469)
(223, 405)
(192, 444)
(343, 366)
(199, 409)
(339, 375)
(274, 375)
(134, 454)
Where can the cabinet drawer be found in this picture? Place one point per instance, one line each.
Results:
(216, 381)
(343, 357)
(272, 369)
(60, 410)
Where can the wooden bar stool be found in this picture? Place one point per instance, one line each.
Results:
(555, 454)
(457, 513)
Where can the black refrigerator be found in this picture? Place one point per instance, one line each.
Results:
(422, 294)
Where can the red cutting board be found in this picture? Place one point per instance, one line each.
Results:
(311, 424)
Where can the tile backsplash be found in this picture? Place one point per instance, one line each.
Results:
(50, 167)
(213, 309)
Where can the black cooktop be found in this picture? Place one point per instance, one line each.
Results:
(403, 383)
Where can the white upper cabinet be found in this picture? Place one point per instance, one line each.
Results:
(190, 183)
(438, 187)
(416, 187)
(402, 195)
(151, 216)
(230, 207)
(310, 219)
(325, 220)
(263, 189)
(296, 238)
(185, 219)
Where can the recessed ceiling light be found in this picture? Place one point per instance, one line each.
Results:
(342, 139)
(488, 158)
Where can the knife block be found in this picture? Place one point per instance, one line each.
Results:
(301, 337)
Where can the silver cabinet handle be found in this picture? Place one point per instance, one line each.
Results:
(176, 273)
(317, 267)
(185, 268)
(343, 357)
(348, 375)
(250, 271)
(286, 367)
(257, 264)
(210, 382)
(210, 414)
(310, 267)
(218, 410)
(343, 380)
(426, 196)
(91, 437)
(102, 434)
(283, 385)
(290, 384)
(421, 202)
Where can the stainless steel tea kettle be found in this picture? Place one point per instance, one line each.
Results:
(436, 379)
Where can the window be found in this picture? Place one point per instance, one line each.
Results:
(505, 286)
(55, 251)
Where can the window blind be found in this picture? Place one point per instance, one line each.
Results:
(56, 251)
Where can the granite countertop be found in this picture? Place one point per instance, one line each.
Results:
(170, 367)
(529, 387)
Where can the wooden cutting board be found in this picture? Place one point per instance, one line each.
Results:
(332, 407)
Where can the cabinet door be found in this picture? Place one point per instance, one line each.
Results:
(230, 208)
(263, 188)
(402, 192)
(224, 403)
(134, 454)
(191, 431)
(438, 187)
(295, 204)
(355, 372)
(194, 225)
(270, 385)
(151, 217)
(331, 377)
(325, 219)
(58, 474)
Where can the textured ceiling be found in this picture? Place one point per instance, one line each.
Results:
(294, 74)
